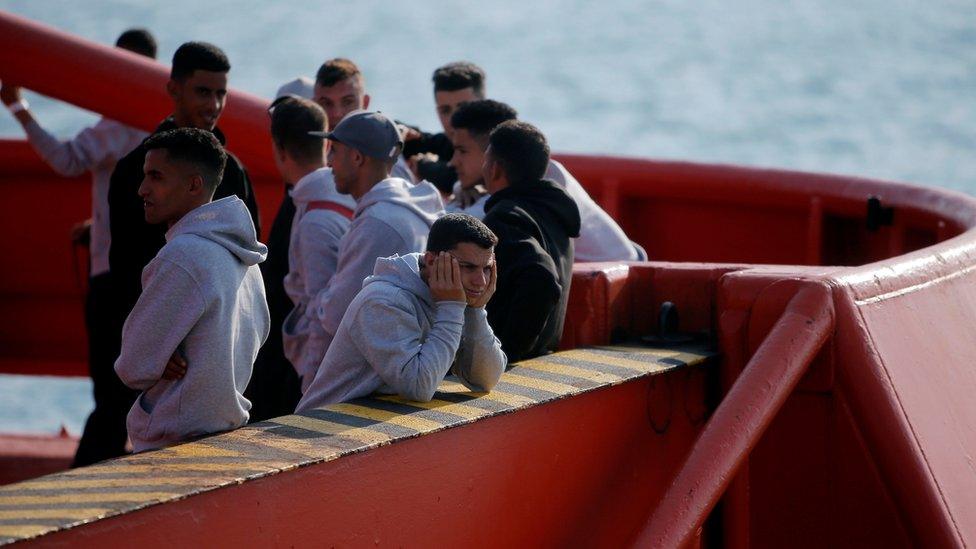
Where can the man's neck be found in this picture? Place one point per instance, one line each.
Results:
(367, 182)
(191, 207)
(298, 172)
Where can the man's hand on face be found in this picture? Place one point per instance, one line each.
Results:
(445, 279)
(9, 94)
(482, 299)
(176, 367)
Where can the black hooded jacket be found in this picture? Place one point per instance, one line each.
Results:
(134, 242)
(535, 225)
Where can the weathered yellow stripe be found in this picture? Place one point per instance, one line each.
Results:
(262, 443)
(509, 399)
(365, 436)
(591, 375)
(621, 362)
(198, 450)
(85, 497)
(541, 384)
(24, 530)
(125, 467)
(68, 483)
(467, 412)
(417, 424)
(73, 514)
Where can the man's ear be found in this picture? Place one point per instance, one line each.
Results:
(429, 258)
(197, 186)
(365, 101)
(358, 158)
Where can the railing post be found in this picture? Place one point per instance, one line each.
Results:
(742, 417)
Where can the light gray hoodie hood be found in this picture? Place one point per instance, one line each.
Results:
(226, 222)
(320, 185)
(422, 199)
(403, 271)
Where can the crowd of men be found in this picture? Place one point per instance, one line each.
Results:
(397, 257)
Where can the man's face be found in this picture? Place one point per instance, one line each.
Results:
(448, 102)
(468, 159)
(475, 263)
(166, 188)
(343, 166)
(341, 99)
(199, 99)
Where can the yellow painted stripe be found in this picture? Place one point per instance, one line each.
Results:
(61, 483)
(73, 514)
(23, 530)
(451, 386)
(85, 497)
(467, 412)
(621, 362)
(541, 384)
(261, 443)
(198, 450)
(365, 436)
(122, 467)
(591, 375)
(509, 399)
(417, 424)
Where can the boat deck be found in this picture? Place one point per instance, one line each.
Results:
(66, 500)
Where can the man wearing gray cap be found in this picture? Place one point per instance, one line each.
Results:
(392, 216)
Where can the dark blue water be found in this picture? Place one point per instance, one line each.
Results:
(876, 88)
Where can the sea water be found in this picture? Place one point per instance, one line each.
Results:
(883, 89)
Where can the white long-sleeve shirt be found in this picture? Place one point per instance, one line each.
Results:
(600, 239)
(313, 256)
(95, 149)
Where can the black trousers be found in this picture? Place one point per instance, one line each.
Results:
(274, 389)
(104, 436)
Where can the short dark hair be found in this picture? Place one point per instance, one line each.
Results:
(139, 41)
(193, 146)
(454, 228)
(198, 56)
(481, 116)
(521, 150)
(459, 75)
(291, 120)
(336, 70)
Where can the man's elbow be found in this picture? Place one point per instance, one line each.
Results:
(418, 391)
(131, 378)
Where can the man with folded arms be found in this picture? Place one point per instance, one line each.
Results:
(418, 317)
(202, 299)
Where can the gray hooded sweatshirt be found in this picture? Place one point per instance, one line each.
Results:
(313, 255)
(396, 339)
(394, 217)
(202, 294)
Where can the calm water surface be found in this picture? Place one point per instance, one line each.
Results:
(876, 88)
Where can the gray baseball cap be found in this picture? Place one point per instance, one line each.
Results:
(370, 133)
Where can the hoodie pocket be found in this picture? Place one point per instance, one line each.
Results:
(140, 422)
